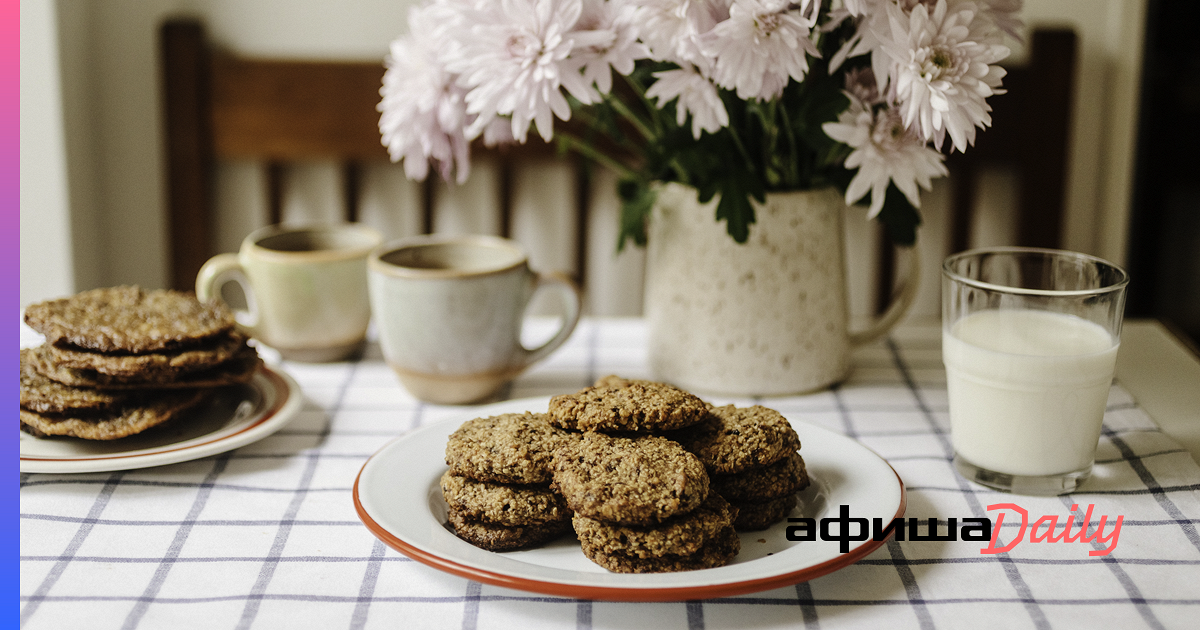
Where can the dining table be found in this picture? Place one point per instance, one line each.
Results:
(314, 503)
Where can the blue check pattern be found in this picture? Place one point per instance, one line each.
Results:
(266, 536)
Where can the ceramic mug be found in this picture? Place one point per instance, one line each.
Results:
(449, 310)
(305, 287)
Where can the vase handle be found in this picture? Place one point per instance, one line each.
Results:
(902, 301)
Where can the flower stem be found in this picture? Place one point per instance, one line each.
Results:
(737, 142)
(640, 91)
(590, 152)
(594, 124)
(681, 172)
(792, 171)
(619, 106)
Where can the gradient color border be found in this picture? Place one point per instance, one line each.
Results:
(10, 228)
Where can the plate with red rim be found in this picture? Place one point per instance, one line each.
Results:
(398, 498)
(233, 417)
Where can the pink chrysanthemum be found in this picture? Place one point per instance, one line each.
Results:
(697, 97)
(672, 29)
(941, 69)
(513, 57)
(885, 150)
(606, 39)
(761, 45)
(423, 111)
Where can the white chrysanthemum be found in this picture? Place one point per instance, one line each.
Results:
(513, 57)
(423, 111)
(885, 150)
(606, 39)
(941, 69)
(859, 8)
(762, 44)
(697, 96)
(864, 12)
(672, 28)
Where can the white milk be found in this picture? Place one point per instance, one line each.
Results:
(1027, 389)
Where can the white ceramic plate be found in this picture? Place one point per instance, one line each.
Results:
(235, 417)
(399, 499)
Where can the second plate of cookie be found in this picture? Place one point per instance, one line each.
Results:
(232, 417)
(398, 497)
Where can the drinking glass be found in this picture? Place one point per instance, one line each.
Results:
(1029, 340)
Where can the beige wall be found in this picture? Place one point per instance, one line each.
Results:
(92, 166)
(46, 256)
(91, 163)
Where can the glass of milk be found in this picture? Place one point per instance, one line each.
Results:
(1029, 340)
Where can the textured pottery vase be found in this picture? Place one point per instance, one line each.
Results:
(767, 317)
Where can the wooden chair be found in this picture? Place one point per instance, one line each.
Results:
(222, 107)
(1030, 134)
(1029, 138)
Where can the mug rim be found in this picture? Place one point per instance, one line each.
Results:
(1116, 286)
(252, 240)
(376, 263)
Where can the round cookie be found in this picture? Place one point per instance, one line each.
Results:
(128, 319)
(45, 396)
(681, 536)
(500, 538)
(135, 418)
(239, 369)
(514, 448)
(629, 481)
(502, 504)
(758, 516)
(717, 552)
(615, 404)
(786, 476)
(150, 365)
(734, 439)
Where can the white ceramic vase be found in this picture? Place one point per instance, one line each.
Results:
(767, 317)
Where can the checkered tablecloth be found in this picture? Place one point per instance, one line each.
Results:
(267, 536)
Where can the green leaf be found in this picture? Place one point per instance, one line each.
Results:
(735, 207)
(637, 199)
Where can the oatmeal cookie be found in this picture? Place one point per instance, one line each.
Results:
(150, 365)
(719, 551)
(239, 369)
(503, 504)
(639, 481)
(755, 485)
(680, 536)
(149, 411)
(734, 439)
(45, 396)
(615, 404)
(500, 538)
(759, 516)
(514, 448)
(128, 319)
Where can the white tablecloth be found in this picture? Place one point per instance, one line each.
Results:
(266, 536)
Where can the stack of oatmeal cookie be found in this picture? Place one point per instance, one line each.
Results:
(650, 477)
(642, 503)
(498, 485)
(752, 461)
(117, 361)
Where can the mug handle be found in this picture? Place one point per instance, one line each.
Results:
(572, 301)
(215, 274)
(902, 301)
